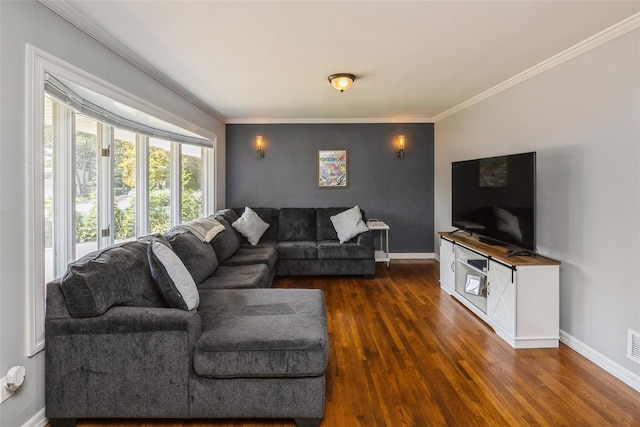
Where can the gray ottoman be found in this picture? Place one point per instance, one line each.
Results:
(263, 353)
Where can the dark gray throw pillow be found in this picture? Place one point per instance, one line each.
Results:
(198, 257)
(172, 278)
(226, 243)
(118, 275)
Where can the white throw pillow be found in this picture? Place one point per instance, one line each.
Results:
(251, 226)
(349, 224)
(173, 277)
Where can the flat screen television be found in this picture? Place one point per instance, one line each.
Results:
(495, 198)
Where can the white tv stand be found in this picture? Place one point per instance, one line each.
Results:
(519, 297)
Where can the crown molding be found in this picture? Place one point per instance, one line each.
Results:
(621, 28)
(613, 32)
(62, 8)
(256, 121)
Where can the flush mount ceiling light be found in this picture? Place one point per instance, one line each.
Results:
(341, 81)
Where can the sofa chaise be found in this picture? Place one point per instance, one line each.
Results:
(116, 349)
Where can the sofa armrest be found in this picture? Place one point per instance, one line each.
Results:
(127, 320)
(130, 362)
(365, 238)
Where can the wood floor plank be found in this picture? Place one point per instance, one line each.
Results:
(404, 353)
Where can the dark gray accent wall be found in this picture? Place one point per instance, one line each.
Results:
(397, 191)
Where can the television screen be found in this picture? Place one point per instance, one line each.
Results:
(495, 198)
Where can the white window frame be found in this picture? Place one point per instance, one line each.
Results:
(175, 183)
(105, 186)
(38, 64)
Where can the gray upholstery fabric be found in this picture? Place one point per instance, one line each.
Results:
(325, 267)
(228, 214)
(297, 250)
(330, 249)
(55, 302)
(248, 256)
(258, 397)
(297, 224)
(118, 275)
(198, 257)
(261, 245)
(353, 259)
(262, 333)
(324, 226)
(232, 216)
(238, 277)
(116, 365)
(365, 239)
(226, 243)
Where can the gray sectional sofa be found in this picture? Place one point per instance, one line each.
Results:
(307, 243)
(125, 338)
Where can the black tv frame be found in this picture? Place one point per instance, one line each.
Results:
(493, 201)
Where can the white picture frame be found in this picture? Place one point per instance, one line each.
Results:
(473, 284)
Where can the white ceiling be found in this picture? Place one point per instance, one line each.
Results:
(269, 60)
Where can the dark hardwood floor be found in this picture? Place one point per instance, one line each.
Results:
(404, 353)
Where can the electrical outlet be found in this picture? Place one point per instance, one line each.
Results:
(5, 393)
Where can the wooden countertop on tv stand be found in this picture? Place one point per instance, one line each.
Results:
(498, 252)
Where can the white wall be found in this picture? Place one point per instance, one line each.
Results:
(583, 119)
(29, 22)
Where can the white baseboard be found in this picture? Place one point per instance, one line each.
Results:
(38, 420)
(409, 255)
(621, 373)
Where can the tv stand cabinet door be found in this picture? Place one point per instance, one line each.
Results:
(501, 299)
(447, 266)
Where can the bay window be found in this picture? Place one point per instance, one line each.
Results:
(101, 172)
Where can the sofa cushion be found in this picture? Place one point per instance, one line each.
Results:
(261, 245)
(226, 243)
(297, 250)
(198, 257)
(297, 224)
(330, 249)
(254, 255)
(117, 275)
(236, 277)
(229, 215)
(348, 224)
(171, 276)
(251, 226)
(262, 333)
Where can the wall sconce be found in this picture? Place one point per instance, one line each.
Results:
(400, 152)
(259, 150)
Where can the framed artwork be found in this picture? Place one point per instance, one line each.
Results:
(332, 169)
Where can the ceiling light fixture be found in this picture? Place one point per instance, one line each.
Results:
(341, 81)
